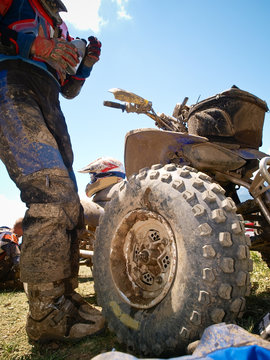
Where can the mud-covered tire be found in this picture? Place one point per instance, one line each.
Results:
(170, 258)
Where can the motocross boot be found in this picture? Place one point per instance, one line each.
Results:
(54, 316)
(84, 308)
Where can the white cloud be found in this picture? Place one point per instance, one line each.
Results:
(122, 13)
(84, 14)
(10, 210)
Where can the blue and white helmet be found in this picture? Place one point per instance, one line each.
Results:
(104, 172)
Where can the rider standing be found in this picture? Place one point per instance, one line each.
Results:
(37, 62)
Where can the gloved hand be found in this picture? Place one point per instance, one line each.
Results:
(58, 53)
(92, 53)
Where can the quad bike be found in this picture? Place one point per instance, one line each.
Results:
(171, 256)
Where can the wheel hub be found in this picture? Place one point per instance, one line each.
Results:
(143, 258)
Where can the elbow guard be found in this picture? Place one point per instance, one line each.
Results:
(72, 87)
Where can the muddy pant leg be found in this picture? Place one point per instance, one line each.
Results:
(49, 250)
(34, 161)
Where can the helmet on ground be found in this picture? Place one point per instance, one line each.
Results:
(104, 172)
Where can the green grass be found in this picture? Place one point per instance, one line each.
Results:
(14, 343)
(258, 303)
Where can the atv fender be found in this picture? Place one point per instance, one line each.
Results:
(250, 154)
(146, 147)
(209, 156)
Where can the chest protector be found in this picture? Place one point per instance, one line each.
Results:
(40, 24)
(45, 19)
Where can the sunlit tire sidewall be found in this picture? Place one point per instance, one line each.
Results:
(211, 277)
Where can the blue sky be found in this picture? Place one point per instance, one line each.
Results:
(162, 50)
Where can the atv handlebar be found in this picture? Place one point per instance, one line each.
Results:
(137, 104)
(114, 105)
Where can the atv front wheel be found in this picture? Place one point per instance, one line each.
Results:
(170, 259)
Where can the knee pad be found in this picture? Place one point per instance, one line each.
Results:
(51, 194)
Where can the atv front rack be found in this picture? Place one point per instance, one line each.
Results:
(259, 187)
